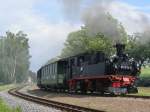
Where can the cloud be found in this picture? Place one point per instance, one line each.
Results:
(132, 18)
(97, 20)
(45, 38)
(47, 41)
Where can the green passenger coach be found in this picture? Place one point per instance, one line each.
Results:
(52, 75)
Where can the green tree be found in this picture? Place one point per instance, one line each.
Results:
(137, 48)
(14, 55)
(80, 42)
(95, 36)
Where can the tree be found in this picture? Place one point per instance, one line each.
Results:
(14, 56)
(99, 34)
(137, 48)
(80, 42)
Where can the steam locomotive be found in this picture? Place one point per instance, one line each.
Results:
(94, 72)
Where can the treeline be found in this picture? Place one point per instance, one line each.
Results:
(85, 40)
(14, 57)
(79, 42)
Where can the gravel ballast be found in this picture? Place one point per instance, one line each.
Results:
(26, 106)
(108, 104)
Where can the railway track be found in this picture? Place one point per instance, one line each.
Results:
(105, 95)
(54, 104)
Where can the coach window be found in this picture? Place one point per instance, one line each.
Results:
(45, 71)
(42, 72)
(55, 68)
(49, 69)
(80, 60)
(52, 69)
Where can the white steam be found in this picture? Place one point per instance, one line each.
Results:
(72, 8)
(98, 20)
(95, 16)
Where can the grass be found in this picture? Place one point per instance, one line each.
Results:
(142, 91)
(5, 108)
(145, 72)
(6, 87)
(145, 76)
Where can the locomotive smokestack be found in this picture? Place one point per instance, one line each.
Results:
(120, 49)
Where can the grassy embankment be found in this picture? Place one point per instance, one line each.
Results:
(6, 87)
(3, 106)
(145, 77)
(145, 73)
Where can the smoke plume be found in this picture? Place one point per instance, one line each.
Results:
(72, 8)
(98, 20)
(95, 17)
(98, 17)
(145, 35)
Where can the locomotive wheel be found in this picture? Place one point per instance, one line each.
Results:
(102, 93)
(83, 87)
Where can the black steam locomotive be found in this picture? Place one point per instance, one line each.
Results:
(92, 72)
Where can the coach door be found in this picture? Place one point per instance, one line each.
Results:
(62, 67)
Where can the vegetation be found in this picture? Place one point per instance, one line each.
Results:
(6, 108)
(33, 77)
(144, 77)
(90, 39)
(143, 91)
(84, 40)
(14, 58)
(145, 72)
(6, 87)
(78, 42)
(137, 49)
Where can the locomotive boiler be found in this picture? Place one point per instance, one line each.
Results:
(92, 72)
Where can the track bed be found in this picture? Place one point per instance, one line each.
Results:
(108, 104)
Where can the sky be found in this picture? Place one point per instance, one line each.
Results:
(48, 22)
